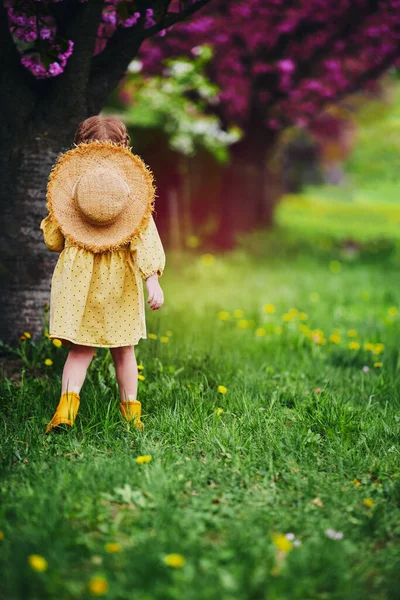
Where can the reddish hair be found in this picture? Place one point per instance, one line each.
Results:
(104, 129)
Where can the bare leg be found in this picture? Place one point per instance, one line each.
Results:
(126, 371)
(76, 365)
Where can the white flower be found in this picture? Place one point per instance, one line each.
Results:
(334, 535)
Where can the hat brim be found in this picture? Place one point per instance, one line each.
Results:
(133, 220)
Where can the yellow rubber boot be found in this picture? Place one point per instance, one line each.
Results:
(132, 409)
(66, 411)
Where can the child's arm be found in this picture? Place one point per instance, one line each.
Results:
(53, 238)
(150, 258)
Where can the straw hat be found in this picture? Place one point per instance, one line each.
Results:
(100, 195)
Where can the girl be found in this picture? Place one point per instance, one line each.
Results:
(100, 199)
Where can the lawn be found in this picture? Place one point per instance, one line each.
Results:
(271, 400)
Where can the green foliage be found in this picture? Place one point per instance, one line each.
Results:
(176, 102)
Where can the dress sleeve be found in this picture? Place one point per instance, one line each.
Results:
(150, 254)
(53, 238)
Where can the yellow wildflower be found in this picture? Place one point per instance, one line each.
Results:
(352, 333)
(98, 585)
(113, 547)
(303, 316)
(243, 324)
(152, 336)
(354, 346)
(140, 367)
(293, 311)
(219, 411)
(168, 333)
(393, 311)
(356, 482)
(27, 335)
(143, 459)
(48, 362)
(141, 377)
(269, 308)
(238, 313)
(37, 562)
(192, 241)
(287, 317)
(378, 365)
(304, 329)
(222, 389)
(260, 332)
(369, 502)
(334, 338)
(223, 315)
(318, 337)
(282, 543)
(379, 348)
(164, 339)
(174, 560)
(208, 259)
(47, 335)
(314, 297)
(369, 346)
(57, 343)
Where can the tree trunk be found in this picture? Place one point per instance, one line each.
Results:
(26, 264)
(250, 189)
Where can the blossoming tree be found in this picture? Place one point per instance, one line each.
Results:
(277, 63)
(59, 62)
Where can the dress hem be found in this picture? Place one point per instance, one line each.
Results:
(63, 337)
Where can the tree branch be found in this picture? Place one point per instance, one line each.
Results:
(109, 67)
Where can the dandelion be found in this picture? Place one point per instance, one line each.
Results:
(141, 377)
(219, 411)
(303, 316)
(152, 336)
(393, 311)
(333, 535)
(378, 348)
(304, 329)
(174, 560)
(260, 332)
(223, 315)
(269, 308)
(222, 389)
(140, 367)
(378, 365)
(164, 339)
(27, 335)
(287, 317)
(143, 459)
(243, 324)
(335, 266)
(37, 562)
(314, 297)
(368, 346)
(352, 333)
(168, 333)
(318, 337)
(356, 482)
(282, 543)
(208, 259)
(238, 313)
(98, 585)
(368, 502)
(113, 547)
(57, 343)
(293, 311)
(48, 362)
(334, 338)
(354, 346)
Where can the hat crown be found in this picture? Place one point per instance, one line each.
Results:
(101, 195)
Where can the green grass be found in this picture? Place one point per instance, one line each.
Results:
(301, 421)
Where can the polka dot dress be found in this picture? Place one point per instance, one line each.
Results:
(97, 299)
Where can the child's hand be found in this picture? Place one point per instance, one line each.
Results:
(156, 295)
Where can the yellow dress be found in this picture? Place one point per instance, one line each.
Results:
(97, 299)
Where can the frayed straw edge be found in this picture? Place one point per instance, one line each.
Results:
(80, 149)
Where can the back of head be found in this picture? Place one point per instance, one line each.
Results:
(102, 129)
